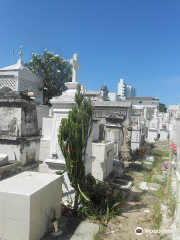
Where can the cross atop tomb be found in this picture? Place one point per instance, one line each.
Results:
(76, 66)
(20, 55)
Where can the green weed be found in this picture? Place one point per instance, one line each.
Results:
(171, 204)
(157, 215)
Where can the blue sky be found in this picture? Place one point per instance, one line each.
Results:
(135, 40)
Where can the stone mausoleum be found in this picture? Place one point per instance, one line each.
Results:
(19, 135)
(19, 78)
(112, 123)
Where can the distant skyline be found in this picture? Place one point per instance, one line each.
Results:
(138, 41)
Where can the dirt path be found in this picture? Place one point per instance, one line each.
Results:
(133, 215)
(141, 208)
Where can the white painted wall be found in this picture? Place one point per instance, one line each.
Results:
(42, 112)
(113, 97)
(152, 135)
(47, 128)
(103, 163)
(95, 131)
(135, 139)
(150, 104)
(163, 135)
(44, 149)
(22, 153)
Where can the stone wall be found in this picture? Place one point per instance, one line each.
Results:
(112, 119)
(19, 118)
(22, 150)
(176, 183)
(10, 121)
(19, 134)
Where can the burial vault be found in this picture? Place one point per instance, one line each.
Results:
(19, 78)
(114, 121)
(19, 135)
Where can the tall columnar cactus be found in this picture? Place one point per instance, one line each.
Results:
(73, 137)
(94, 197)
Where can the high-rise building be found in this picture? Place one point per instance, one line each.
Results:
(125, 91)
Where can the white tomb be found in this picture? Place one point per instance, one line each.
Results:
(153, 127)
(164, 120)
(103, 164)
(136, 137)
(19, 78)
(172, 126)
(28, 202)
(61, 105)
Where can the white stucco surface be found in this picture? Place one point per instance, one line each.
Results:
(103, 163)
(163, 135)
(18, 77)
(29, 153)
(152, 135)
(44, 149)
(26, 203)
(47, 125)
(135, 139)
(42, 111)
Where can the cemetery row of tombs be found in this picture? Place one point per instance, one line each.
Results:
(28, 141)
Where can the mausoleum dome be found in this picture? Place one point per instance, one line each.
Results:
(19, 78)
(15, 67)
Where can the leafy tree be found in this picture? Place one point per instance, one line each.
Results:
(53, 70)
(162, 107)
(92, 197)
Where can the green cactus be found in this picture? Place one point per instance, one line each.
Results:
(73, 137)
(91, 196)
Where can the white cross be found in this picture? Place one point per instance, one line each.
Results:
(76, 66)
(20, 54)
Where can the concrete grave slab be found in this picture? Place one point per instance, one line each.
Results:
(35, 196)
